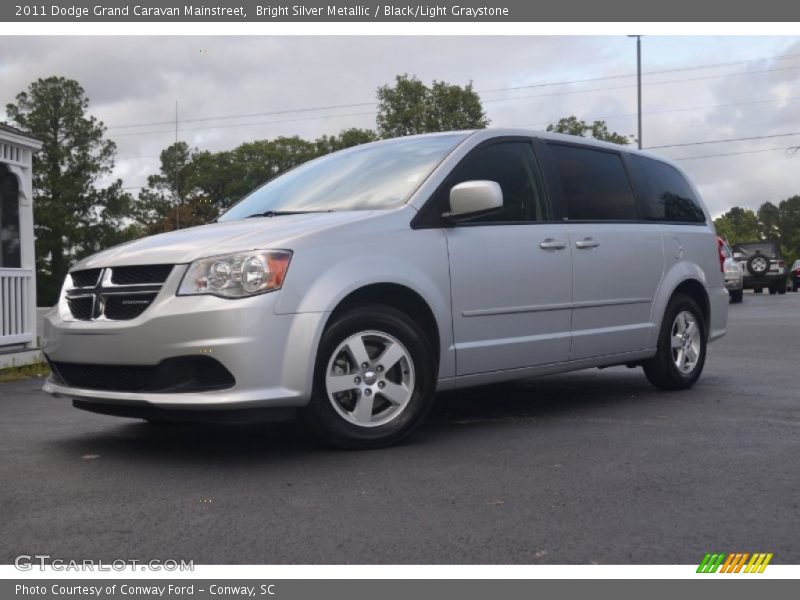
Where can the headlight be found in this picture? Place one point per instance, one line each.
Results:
(237, 275)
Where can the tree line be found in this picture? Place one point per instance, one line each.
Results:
(74, 216)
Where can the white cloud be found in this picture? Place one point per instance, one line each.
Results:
(138, 80)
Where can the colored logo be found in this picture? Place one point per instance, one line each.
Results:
(735, 562)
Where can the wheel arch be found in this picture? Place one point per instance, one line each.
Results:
(697, 292)
(686, 278)
(399, 297)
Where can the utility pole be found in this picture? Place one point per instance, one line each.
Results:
(639, 86)
(177, 191)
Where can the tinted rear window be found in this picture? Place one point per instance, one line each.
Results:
(667, 194)
(595, 184)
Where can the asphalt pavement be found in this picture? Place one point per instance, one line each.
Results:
(590, 467)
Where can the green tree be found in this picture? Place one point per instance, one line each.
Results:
(172, 199)
(769, 221)
(73, 217)
(345, 139)
(166, 190)
(782, 223)
(598, 130)
(410, 107)
(790, 226)
(738, 225)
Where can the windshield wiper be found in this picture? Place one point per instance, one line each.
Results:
(277, 213)
(280, 213)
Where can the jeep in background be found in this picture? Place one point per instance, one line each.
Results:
(763, 266)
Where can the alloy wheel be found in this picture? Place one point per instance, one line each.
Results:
(686, 342)
(369, 378)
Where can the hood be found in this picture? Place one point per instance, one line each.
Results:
(186, 245)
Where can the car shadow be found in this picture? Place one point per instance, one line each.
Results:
(487, 406)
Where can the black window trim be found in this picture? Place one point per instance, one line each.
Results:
(430, 217)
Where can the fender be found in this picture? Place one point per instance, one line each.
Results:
(318, 289)
(673, 277)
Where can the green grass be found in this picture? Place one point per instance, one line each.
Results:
(26, 372)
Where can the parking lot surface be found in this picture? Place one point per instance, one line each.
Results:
(590, 467)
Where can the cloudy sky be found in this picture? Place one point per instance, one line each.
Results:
(235, 89)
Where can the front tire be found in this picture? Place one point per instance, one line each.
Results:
(681, 348)
(374, 380)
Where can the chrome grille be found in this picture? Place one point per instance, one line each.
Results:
(115, 294)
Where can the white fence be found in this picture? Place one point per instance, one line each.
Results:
(15, 307)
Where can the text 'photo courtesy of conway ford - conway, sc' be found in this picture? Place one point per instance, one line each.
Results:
(350, 289)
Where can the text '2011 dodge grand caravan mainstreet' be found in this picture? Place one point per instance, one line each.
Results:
(355, 286)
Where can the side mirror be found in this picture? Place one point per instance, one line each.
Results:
(472, 197)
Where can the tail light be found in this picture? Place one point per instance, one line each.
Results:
(720, 246)
(781, 263)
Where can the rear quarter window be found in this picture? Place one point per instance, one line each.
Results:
(666, 195)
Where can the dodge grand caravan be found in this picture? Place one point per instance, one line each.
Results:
(352, 288)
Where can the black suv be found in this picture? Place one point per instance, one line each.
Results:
(763, 266)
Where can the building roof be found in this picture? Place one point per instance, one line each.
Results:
(15, 131)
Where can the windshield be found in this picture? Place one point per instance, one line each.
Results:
(375, 176)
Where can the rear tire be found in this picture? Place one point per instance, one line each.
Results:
(376, 404)
(737, 296)
(681, 348)
(782, 290)
(773, 290)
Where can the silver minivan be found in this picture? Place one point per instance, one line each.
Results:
(354, 287)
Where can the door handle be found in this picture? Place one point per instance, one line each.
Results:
(587, 243)
(551, 244)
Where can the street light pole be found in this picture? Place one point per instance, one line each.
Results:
(639, 86)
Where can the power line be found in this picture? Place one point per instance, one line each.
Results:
(625, 87)
(513, 99)
(246, 115)
(658, 72)
(786, 148)
(249, 124)
(672, 110)
(510, 88)
(722, 141)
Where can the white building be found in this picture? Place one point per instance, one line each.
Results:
(18, 343)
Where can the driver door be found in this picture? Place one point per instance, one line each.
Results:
(511, 271)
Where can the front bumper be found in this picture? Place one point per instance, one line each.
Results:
(270, 356)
